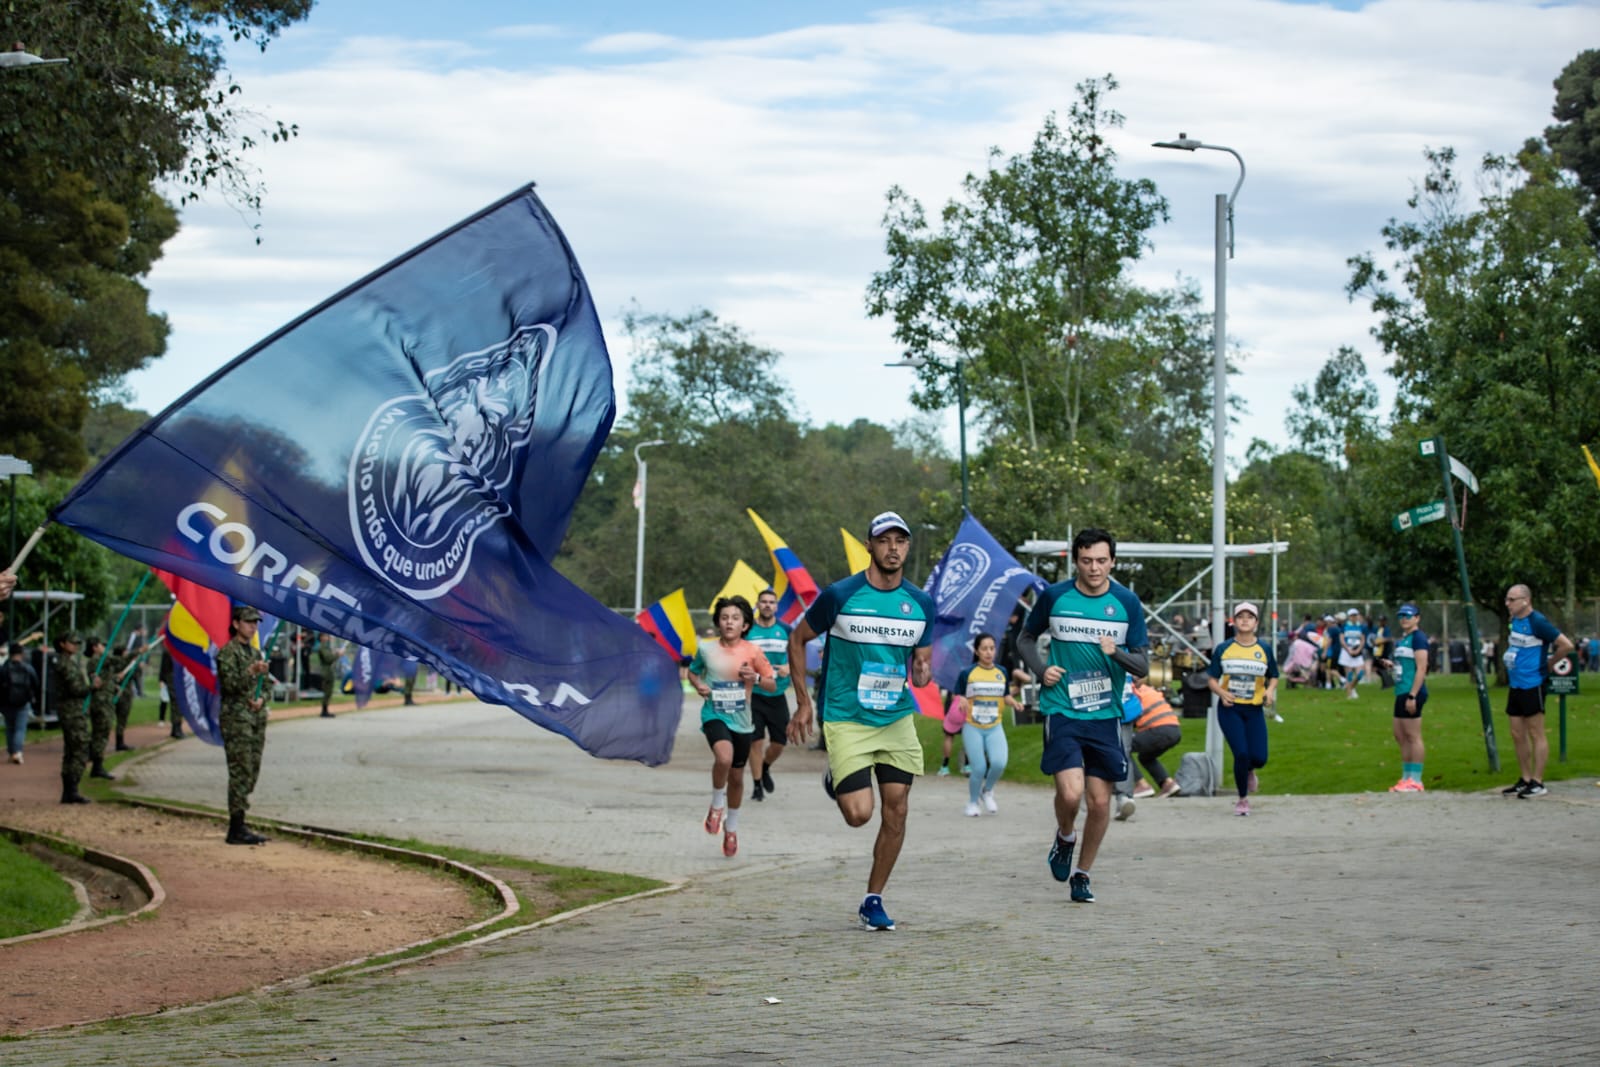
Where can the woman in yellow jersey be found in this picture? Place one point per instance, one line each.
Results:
(983, 691)
(1244, 675)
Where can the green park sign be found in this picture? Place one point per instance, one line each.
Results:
(1418, 516)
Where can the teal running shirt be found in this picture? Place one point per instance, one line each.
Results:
(773, 641)
(1093, 682)
(866, 662)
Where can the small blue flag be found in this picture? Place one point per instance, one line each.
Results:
(397, 467)
(974, 586)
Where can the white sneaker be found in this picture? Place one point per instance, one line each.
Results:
(988, 802)
(1126, 808)
(973, 809)
(16, 757)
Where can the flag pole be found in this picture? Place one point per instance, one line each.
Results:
(27, 547)
(126, 608)
(132, 668)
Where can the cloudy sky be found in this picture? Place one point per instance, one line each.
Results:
(735, 155)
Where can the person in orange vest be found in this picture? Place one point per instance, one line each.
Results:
(1156, 731)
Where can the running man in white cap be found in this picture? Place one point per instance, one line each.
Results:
(880, 638)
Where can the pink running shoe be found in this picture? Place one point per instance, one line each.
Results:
(1402, 786)
(1142, 790)
(730, 843)
(1242, 807)
(714, 820)
(1255, 783)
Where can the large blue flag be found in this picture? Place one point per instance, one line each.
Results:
(371, 671)
(397, 467)
(974, 586)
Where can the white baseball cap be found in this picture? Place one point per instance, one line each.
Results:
(1245, 605)
(887, 521)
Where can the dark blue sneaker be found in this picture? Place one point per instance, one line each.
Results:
(873, 917)
(1061, 858)
(1081, 893)
(827, 784)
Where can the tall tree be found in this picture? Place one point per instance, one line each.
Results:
(1488, 314)
(1088, 391)
(86, 149)
(1575, 136)
(1336, 413)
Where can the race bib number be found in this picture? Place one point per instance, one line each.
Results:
(881, 685)
(985, 714)
(1089, 690)
(1241, 688)
(1510, 658)
(728, 698)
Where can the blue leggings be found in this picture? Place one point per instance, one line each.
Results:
(1244, 727)
(987, 753)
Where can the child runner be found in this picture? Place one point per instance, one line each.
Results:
(1244, 675)
(1410, 659)
(724, 672)
(982, 691)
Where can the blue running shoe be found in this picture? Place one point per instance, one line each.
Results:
(1081, 893)
(1061, 858)
(873, 917)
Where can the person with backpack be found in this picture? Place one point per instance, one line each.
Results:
(19, 691)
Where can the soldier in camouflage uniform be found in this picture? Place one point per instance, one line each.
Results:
(124, 675)
(102, 705)
(69, 684)
(243, 718)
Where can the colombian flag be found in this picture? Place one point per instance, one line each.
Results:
(667, 620)
(210, 610)
(790, 579)
(188, 643)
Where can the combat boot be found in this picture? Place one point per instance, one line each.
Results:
(177, 727)
(98, 770)
(122, 744)
(69, 791)
(240, 834)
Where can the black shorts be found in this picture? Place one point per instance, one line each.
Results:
(1095, 745)
(1400, 711)
(717, 730)
(1525, 703)
(771, 716)
(862, 779)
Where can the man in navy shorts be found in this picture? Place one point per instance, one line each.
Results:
(1097, 639)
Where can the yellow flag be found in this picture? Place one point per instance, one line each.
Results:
(1593, 466)
(855, 553)
(743, 581)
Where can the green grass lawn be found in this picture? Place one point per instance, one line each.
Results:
(1330, 744)
(33, 896)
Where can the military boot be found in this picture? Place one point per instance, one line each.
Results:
(240, 834)
(98, 770)
(122, 744)
(69, 791)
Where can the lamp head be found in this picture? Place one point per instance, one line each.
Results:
(1184, 142)
(908, 360)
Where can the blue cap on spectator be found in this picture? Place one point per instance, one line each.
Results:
(1408, 609)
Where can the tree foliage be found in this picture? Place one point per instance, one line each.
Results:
(734, 442)
(85, 149)
(1489, 316)
(1575, 136)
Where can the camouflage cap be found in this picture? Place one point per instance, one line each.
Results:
(245, 613)
(71, 637)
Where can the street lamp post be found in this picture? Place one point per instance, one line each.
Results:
(1219, 421)
(916, 362)
(638, 566)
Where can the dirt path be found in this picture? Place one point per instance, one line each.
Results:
(235, 919)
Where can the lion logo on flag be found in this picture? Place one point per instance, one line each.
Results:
(430, 469)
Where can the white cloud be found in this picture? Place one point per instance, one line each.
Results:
(747, 175)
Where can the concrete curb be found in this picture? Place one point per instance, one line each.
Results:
(132, 870)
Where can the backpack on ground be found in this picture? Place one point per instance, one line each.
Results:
(1194, 776)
